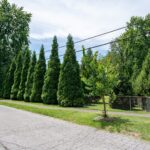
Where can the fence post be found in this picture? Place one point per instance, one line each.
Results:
(130, 103)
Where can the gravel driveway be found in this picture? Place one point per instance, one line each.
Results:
(21, 130)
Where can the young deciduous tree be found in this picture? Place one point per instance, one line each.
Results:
(69, 87)
(106, 80)
(17, 77)
(49, 94)
(24, 73)
(9, 80)
(29, 82)
(38, 79)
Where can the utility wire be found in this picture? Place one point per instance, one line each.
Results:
(92, 37)
(100, 45)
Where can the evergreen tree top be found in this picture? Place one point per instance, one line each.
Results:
(42, 55)
(70, 43)
(54, 51)
(34, 59)
(89, 52)
(83, 50)
(70, 55)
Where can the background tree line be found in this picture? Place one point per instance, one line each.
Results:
(123, 71)
(130, 56)
(14, 31)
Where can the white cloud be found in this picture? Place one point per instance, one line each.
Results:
(80, 18)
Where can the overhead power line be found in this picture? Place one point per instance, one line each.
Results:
(92, 37)
(100, 45)
(96, 36)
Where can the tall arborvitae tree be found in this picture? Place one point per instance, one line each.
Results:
(91, 80)
(106, 80)
(17, 77)
(9, 80)
(87, 73)
(29, 82)
(69, 88)
(24, 73)
(49, 94)
(85, 65)
(38, 80)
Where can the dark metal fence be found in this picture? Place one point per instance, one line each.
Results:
(130, 102)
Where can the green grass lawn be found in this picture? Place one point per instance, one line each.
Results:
(98, 107)
(135, 126)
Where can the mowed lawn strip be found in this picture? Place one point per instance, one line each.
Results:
(131, 125)
(92, 107)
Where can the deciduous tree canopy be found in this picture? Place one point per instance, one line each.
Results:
(14, 31)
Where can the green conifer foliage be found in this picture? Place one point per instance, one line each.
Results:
(69, 88)
(24, 73)
(38, 80)
(29, 82)
(142, 83)
(17, 77)
(49, 94)
(88, 68)
(9, 80)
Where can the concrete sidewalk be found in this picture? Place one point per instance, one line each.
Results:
(21, 130)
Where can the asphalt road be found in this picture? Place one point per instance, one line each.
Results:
(21, 130)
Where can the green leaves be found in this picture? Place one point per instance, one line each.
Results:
(14, 25)
(49, 93)
(129, 55)
(30, 75)
(107, 77)
(24, 73)
(69, 87)
(89, 73)
(142, 82)
(38, 80)
(17, 77)
(9, 80)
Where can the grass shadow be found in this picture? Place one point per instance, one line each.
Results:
(115, 124)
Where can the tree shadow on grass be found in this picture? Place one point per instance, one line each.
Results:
(115, 124)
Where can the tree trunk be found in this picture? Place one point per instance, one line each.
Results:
(104, 111)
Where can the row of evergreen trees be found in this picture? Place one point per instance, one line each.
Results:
(29, 79)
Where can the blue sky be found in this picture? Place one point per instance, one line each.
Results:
(80, 18)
